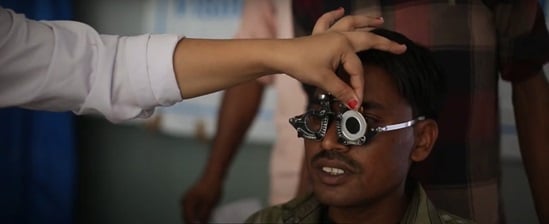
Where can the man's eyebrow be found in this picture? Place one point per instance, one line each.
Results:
(371, 105)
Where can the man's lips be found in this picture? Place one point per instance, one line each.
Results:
(331, 172)
(333, 166)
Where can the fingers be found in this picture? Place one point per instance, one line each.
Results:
(204, 213)
(333, 21)
(196, 213)
(355, 22)
(361, 40)
(327, 19)
(350, 95)
(339, 89)
(353, 66)
(193, 209)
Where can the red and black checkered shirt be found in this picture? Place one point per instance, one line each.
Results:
(475, 42)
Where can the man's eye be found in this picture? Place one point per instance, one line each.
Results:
(313, 121)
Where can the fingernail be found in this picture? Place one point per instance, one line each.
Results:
(380, 18)
(403, 47)
(352, 103)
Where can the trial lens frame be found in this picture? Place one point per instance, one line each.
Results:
(346, 124)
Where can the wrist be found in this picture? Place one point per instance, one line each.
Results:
(278, 59)
(214, 175)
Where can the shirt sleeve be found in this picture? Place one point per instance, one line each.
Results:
(523, 41)
(66, 65)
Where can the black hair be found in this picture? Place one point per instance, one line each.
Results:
(415, 72)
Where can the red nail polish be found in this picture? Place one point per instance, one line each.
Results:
(352, 103)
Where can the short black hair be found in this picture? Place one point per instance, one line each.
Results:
(415, 72)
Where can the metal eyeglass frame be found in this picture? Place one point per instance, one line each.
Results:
(345, 135)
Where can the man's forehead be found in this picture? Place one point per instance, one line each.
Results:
(367, 103)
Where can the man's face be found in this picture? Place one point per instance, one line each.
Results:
(371, 171)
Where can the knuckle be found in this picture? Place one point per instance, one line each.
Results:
(324, 18)
(340, 92)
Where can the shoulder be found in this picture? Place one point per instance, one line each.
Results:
(267, 215)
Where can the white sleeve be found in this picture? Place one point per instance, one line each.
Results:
(65, 65)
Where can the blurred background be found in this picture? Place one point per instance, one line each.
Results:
(87, 170)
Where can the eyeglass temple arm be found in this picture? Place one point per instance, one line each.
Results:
(399, 125)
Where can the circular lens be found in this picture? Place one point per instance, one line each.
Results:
(352, 125)
(313, 122)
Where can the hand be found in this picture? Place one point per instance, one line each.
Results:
(199, 202)
(311, 59)
(335, 42)
(320, 55)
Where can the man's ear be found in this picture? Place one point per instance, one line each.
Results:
(426, 132)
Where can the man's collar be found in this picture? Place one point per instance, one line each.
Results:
(420, 209)
(307, 209)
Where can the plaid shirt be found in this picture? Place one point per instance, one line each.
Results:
(473, 41)
(307, 209)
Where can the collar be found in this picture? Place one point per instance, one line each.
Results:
(307, 209)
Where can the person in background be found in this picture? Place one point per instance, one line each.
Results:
(474, 42)
(66, 65)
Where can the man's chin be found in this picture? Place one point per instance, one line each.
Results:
(334, 198)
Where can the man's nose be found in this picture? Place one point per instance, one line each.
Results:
(331, 140)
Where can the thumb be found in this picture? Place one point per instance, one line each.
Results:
(355, 71)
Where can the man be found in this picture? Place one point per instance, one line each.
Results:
(359, 162)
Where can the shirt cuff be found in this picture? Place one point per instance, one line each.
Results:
(161, 74)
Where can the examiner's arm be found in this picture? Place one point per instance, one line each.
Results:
(204, 66)
(66, 65)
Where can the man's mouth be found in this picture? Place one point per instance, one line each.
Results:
(333, 171)
(333, 168)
